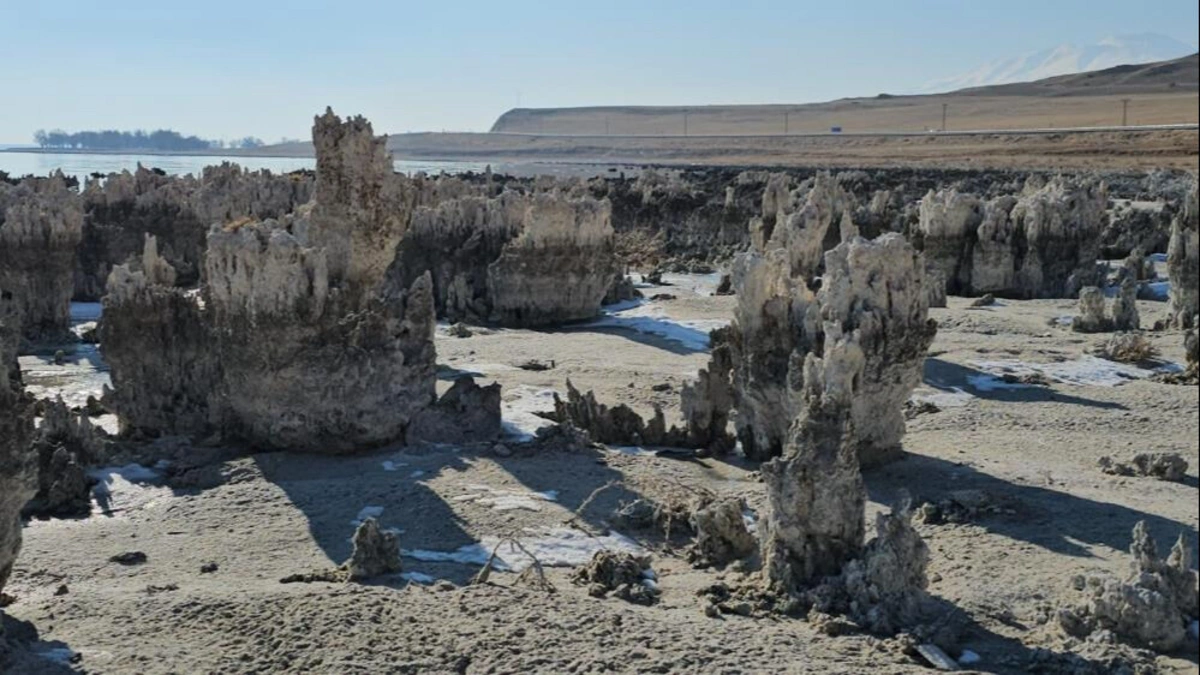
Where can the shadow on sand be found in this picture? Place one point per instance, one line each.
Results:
(1045, 517)
(948, 377)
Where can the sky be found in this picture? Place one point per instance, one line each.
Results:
(227, 69)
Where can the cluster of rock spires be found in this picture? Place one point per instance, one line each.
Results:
(41, 224)
(514, 260)
(66, 444)
(1042, 243)
(121, 208)
(297, 339)
(1151, 608)
(779, 320)
(1093, 316)
(857, 361)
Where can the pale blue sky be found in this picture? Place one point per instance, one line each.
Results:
(223, 68)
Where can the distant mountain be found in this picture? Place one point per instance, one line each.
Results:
(1067, 59)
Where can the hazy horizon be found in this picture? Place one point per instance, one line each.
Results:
(227, 70)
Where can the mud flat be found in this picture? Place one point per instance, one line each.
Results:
(1023, 458)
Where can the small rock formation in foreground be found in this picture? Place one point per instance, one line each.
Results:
(41, 223)
(18, 463)
(1093, 317)
(1043, 243)
(1183, 263)
(513, 260)
(1168, 466)
(721, 534)
(376, 552)
(298, 339)
(1151, 608)
(622, 574)
(66, 445)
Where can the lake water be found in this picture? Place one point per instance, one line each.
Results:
(82, 165)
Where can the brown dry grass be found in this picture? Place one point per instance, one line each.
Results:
(895, 114)
(1092, 150)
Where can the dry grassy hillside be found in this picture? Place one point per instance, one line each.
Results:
(1159, 93)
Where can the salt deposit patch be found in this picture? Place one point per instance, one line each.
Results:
(482, 369)
(471, 554)
(126, 488)
(559, 547)
(82, 374)
(55, 652)
(417, 577)
(553, 547)
(953, 397)
(517, 416)
(1084, 371)
(506, 500)
(367, 512)
(699, 284)
(653, 319)
(634, 450)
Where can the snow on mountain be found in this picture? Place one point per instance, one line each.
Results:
(1066, 59)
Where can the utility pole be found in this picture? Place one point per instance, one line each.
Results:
(785, 122)
(685, 115)
(606, 126)
(944, 105)
(1124, 112)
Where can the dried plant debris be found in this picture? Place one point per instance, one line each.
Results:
(1126, 348)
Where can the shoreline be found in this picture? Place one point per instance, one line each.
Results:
(158, 153)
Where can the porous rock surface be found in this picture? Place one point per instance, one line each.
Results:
(1183, 260)
(297, 340)
(1041, 243)
(872, 289)
(376, 552)
(1094, 317)
(122, 208)
(18, 462)
(721, 533)
(813, 533)
(1169, 466)
(41, 223)
(514, 260)
(1150, 608)
(807, 222)
(67, 443)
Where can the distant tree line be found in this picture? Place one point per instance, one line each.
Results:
(162, 139)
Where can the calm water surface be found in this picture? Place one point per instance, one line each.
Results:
(82, 165)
